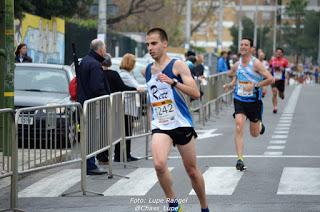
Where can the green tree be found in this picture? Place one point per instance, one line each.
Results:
(49, 8)
(263, 39)
(247, 31)
(294, 37)
(311, 34)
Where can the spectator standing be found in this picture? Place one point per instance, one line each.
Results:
(316, 74)
(126, 66)
(21, 54)
(222, 62)
(116, 85)
(91, 84)
(199, 67)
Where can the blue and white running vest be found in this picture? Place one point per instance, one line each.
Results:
(244, 76)
(169, 109)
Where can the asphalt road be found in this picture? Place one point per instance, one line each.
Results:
(283, 169)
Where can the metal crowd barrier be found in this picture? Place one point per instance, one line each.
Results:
(95, 131)
(8, 155)
(47, 136)
(213, 98)
(136, 119)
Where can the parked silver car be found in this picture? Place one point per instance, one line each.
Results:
(40, 85)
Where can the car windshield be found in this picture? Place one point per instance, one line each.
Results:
(39, 79)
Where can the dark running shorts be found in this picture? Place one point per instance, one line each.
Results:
(252, 110)
(279, 84)
(180, 135)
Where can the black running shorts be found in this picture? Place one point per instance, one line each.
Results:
(180, 135)
(279, 84)
(252, 110)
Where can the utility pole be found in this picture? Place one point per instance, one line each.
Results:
(6, 64)
(275, 26)
(240, 24)
(319, 48)
(188, 25)
(255, 25)
(220, 26)
(102, 20)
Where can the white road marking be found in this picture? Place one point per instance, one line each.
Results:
(53, 185)
(279, 136)
(283, 125)
(275, 147)
(221, 180)
(299, 181)
(287, 114)
(281, 132)
(283, 128)
(286, 117)
(140, 182)
(202, 134)
(272, 153)
(285, 121)
(291, 104)
(278, 141)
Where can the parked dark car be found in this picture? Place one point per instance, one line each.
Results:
(44, 85)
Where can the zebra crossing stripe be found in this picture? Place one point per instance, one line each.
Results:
(281, 132)
(284, 125)
(283, 128)
(53, 185)
(284, 121)
(279, 136)
(278, 141)
(272, 153)
(221, 180)
(275, 147)
(286, 117)
(139, 183)
(299, 181)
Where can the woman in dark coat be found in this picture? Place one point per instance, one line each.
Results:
(116, 85)
(21, 54)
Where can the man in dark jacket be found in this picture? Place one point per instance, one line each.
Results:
(91, 84)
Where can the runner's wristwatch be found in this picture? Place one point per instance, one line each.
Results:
(175, 81)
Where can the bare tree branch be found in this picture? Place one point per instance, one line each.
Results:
(136, 7)
(208, 13)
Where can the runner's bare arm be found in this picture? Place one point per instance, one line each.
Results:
(233, 70)
(231, 73)
(143, 71)
(188, 86)
(268, 79)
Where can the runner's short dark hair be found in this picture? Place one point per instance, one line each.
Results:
(249, 39)
(281, 49)
(160, 31)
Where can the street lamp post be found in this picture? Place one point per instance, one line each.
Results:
(255, 25)
(220, 26)
(188, 25)
(275, 27)
(240, 24)
(102, 20)
(319, 47)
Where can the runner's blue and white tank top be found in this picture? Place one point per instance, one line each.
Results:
(169, 109)
(244, 76)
